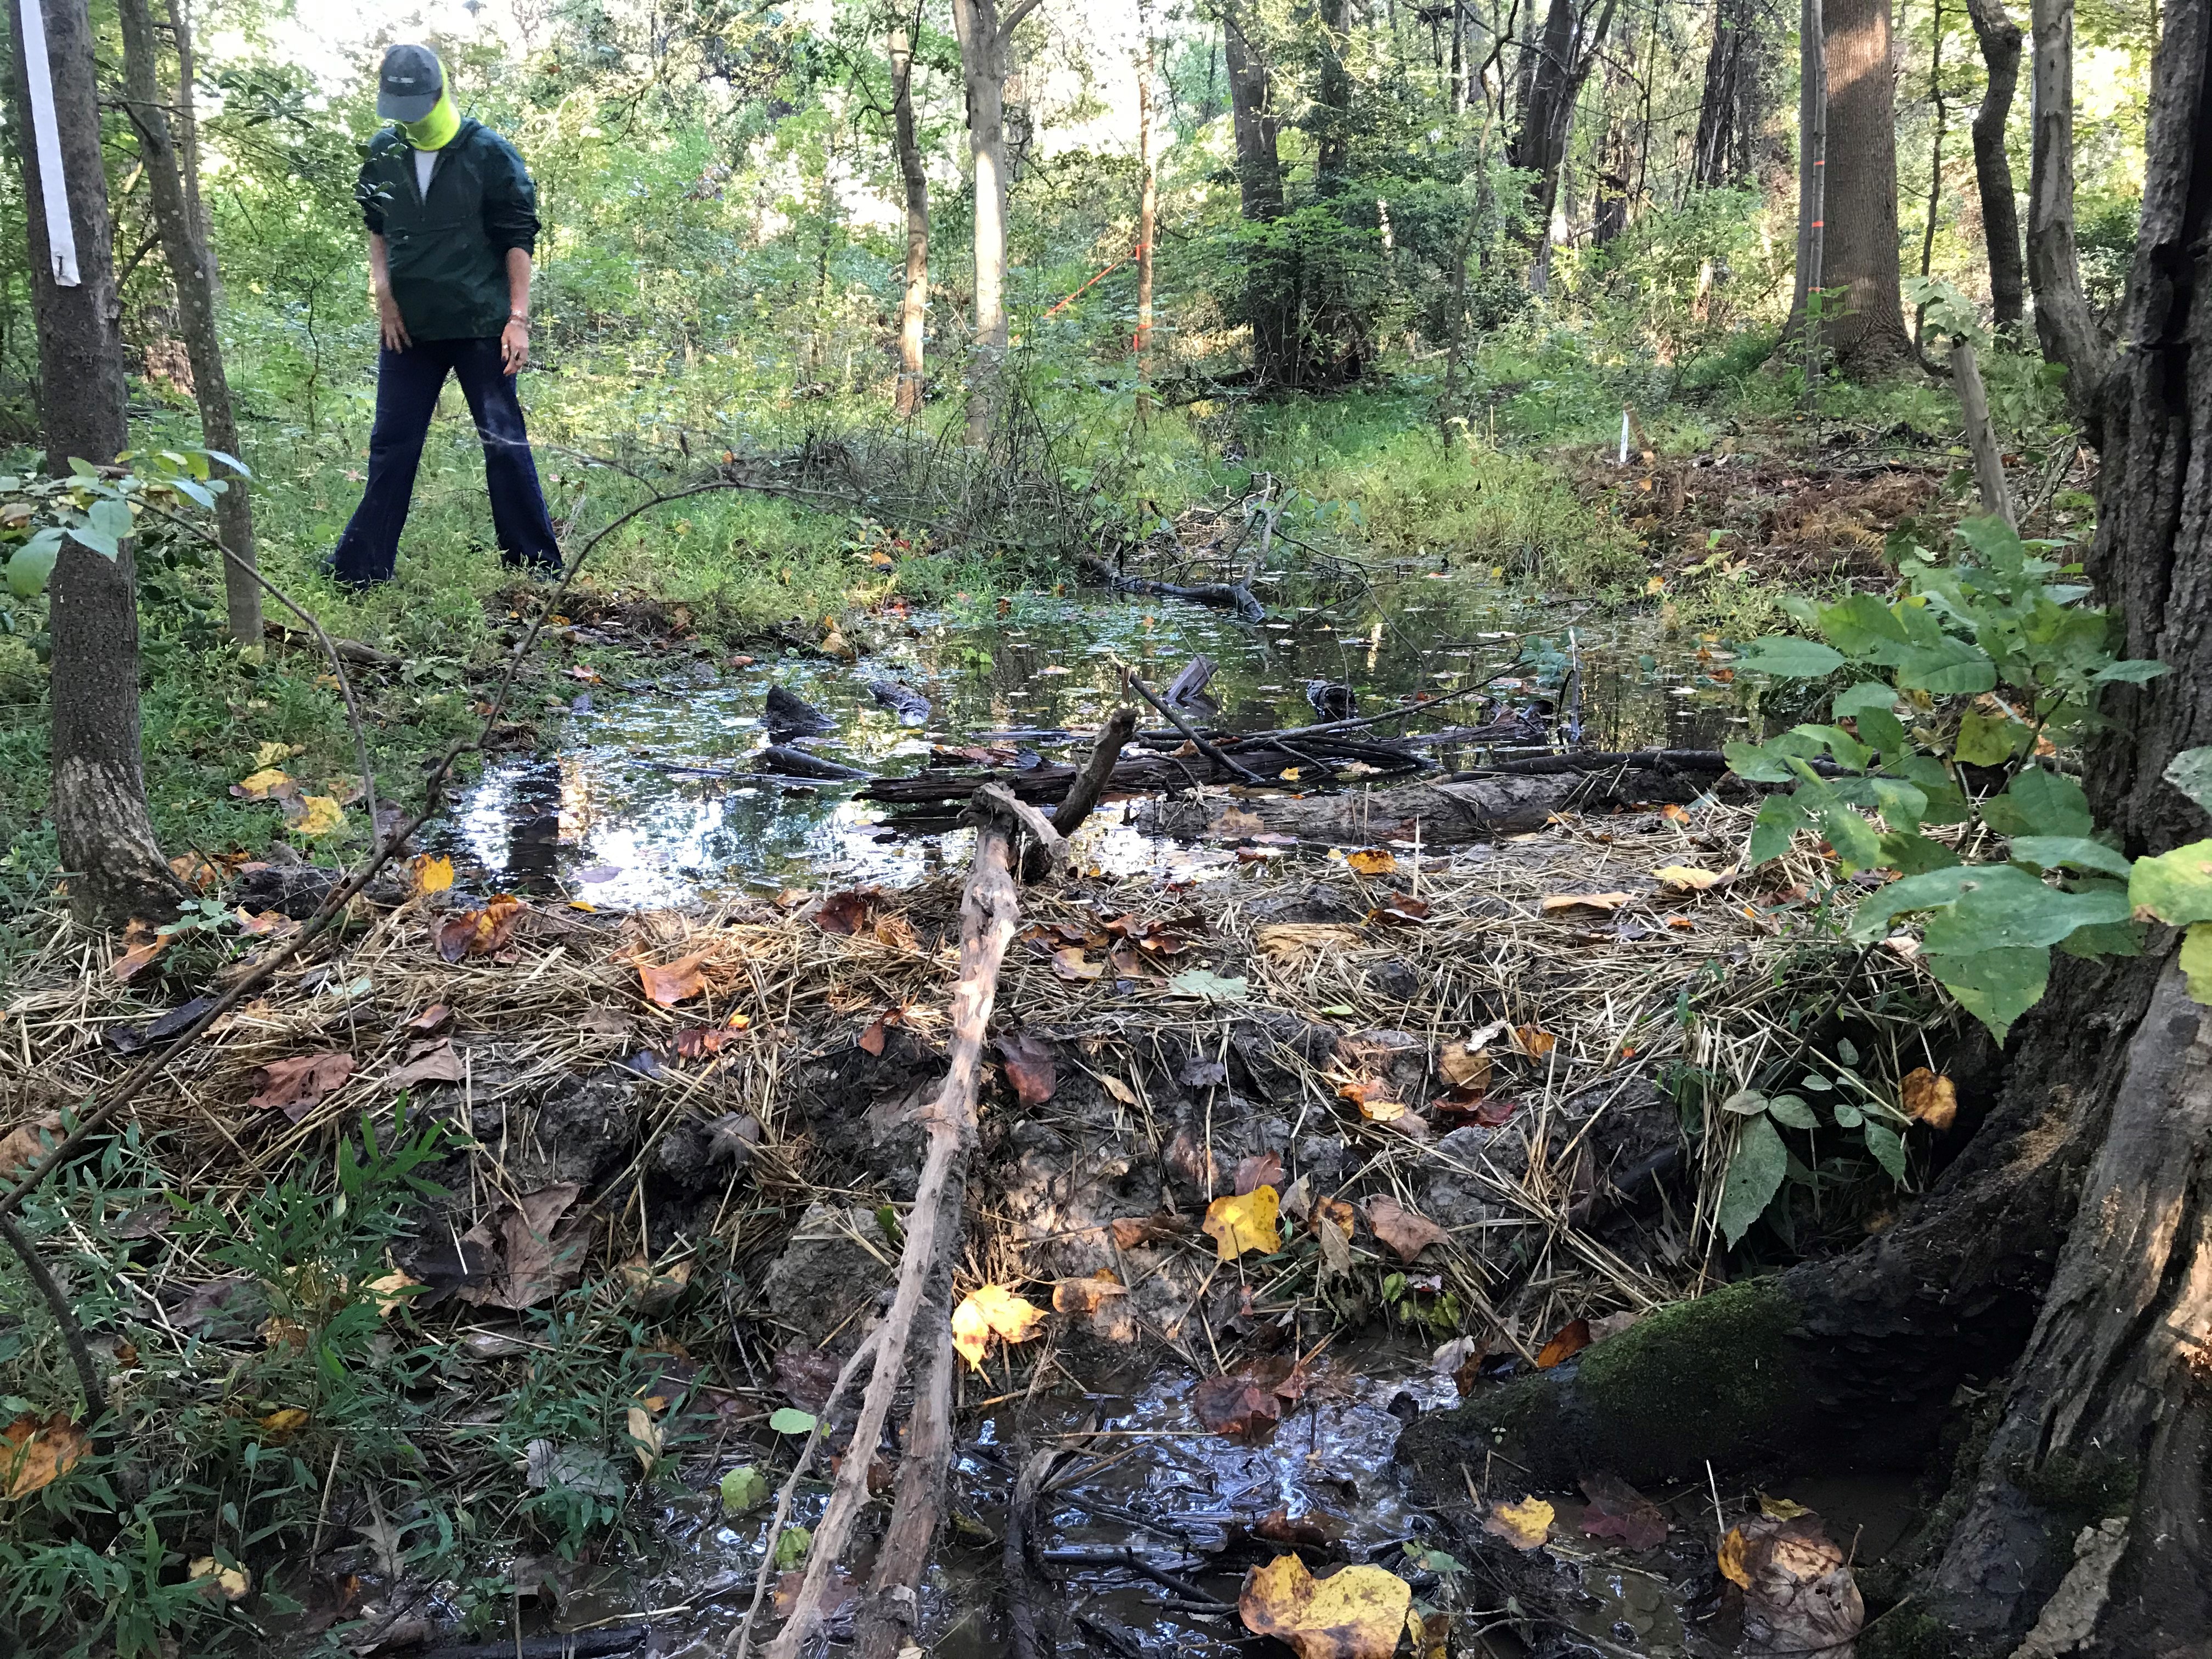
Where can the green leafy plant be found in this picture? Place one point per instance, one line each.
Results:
(1989, 662)
(94, 508)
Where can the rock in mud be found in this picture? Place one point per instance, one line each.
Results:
(835, 1265)
(787, 715)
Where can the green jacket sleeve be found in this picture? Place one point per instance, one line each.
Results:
(366, 192)
(510, 202)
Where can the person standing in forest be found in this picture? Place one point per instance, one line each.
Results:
(453, 225)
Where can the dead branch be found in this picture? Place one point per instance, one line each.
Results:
(1204, 745)
(990, 911)
(1082, 796)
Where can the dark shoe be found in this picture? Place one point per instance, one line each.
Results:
(351, 584)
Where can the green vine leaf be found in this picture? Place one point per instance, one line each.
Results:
(2190, 772)
(1754, 1176)
(2175, 887)
(2070, 853)
(1995, 987)
(1790, 658)
(2196, 961)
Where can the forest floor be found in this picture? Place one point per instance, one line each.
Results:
(618, 1190)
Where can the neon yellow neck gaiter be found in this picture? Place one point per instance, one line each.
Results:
(436, 130)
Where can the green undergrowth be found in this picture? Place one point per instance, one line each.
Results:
(285, 1375)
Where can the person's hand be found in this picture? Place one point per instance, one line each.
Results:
(393, 325)
(515, 346)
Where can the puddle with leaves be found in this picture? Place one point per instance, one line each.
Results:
(649, 799)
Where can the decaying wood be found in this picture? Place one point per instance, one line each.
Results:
(887, 1617)
(1221, 596)
(1981, 432)
(1444, 813)
(1204, 745)
(1082, 795)
(990, 911)
(1189, 686)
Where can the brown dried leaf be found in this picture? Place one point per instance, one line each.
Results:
(1618, 1510)
(1569, 1339)
(21, 1147)
(478, 933)
(298, 1085)
(1131, 1232)
(843, 913)
(1464, 1068)
(1237, 1409)
(1031, 1067)
(672, 982)
(1605, 904)
(1401, 910)
(1372, 861)
(1534, 1042)
(427, 1062)
(1074, 1296)
(1287, 940)
(541, 1246)
(1261, 1170)
(1070, 963)
(34, 1453)
(141, 946)
(1400, 1228)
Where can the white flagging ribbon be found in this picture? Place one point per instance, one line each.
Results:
(53, 183)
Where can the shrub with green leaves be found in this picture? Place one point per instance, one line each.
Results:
(1959, 699)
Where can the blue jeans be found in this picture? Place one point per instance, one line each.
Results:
(407, 386)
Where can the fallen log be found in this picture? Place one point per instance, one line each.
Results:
(782, 761)
(1444, 813)
(1188, 688)
(1222, 596)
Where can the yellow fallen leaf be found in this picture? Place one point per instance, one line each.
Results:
(1730, 1557)
(1929, 1099)
(432, 872)
(214, 1579)
(1524, 1525)
(34, 1453)
(1685, 877)
(670, 983)
(1533, 1040)
(258, 786)
(1356, 1612)
(269, 753)
(1372, 861)
(988, 1308)
(322, 815)
(283, 1424)
(1072, 1295)
(1780, 1508)
(1247, 1223)
(645, 1436)
(1606, 902)
(391, 1290)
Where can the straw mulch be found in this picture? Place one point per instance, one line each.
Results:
(1588, 1015)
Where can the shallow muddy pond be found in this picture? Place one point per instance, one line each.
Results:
(650, 798)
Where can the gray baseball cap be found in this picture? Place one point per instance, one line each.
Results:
(408, 86)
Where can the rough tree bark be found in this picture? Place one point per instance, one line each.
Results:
(191, 268)
(99, 804)
(1331, 122)
(983, 34)
(2063, 321)
(1552, 73)
(914, 303)
(2110, 1411)
(2087, 1193)
(1867, 333)
(1999, 37)
(1728, 111)
(1270, 281)
(1148, 201)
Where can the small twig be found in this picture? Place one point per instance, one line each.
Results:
(851, 1369)
(1205, 746)
(57, 1302)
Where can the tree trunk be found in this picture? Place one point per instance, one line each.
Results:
(1562, 63)
(1859, 194)
(188, 123)
(2000, 42)
(982, 34)
(2063, 321)
(1728, 110)
(1332, 114)
(99, 807)
(1806, 330)
(185, 250)
(914, 303)
(1140, 342)
(2110, 1411)
(1270, 277)
(2095, 1473)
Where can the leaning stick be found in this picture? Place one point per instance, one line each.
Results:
(1199, 740)
(887, 1617)
(1082, 796)
(990, 910)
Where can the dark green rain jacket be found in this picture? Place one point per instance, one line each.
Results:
(448, 249)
